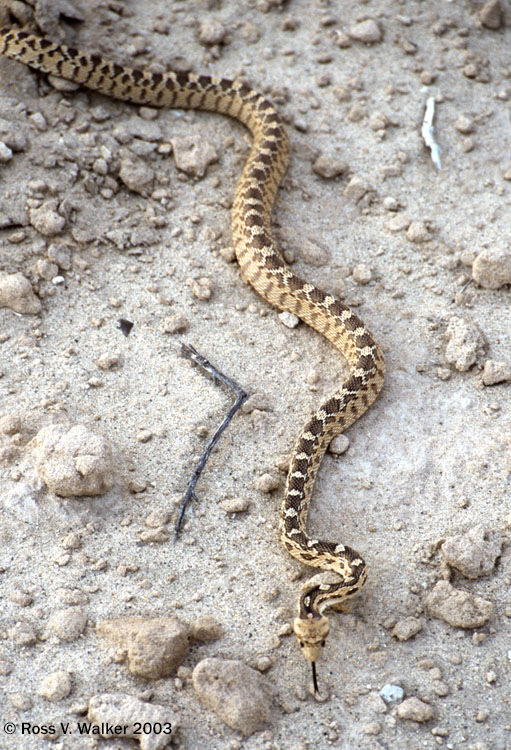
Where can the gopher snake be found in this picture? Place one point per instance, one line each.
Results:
(263, 267)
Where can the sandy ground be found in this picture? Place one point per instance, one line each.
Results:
(430, 459)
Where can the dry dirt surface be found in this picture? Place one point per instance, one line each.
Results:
(113, 211)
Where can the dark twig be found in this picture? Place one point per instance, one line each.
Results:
(189, 351)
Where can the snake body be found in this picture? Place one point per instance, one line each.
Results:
(263, 267)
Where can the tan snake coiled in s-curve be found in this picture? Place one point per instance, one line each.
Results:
(263, 267)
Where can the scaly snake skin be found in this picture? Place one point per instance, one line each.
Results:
(263, 267)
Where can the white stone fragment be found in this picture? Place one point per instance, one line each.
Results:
(290, 320)
(492, 267)
(465, 343)
(55, 686)
(428, 132)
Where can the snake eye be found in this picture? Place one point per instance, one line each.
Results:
(323, 643)
(301, 644)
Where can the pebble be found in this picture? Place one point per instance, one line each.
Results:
(366, 31)
(290, 320)
(465, 343)
(202, 288)
(464, 124)
(61, 255)
(136, 175)
(55, 686)
(328, 167)
(23, 634)
(235, 505)
(16, 293)
(268, 483)
(339, 445)
(206, 628)
(474, 553)
(108, 361)
(155, 647)
(193, 154)
(73, 461)
(406, 628)
(235, 692)
(490, 14)
(174, 323)
(496, 372)
(116, 709)
(356, 189)
(5, 153)
(492, 267)
(418, 232)
(212, 31)
(362, 274)
(392, 693)
(68, 624)
(398, 223)
(458, 608)
(413, 709)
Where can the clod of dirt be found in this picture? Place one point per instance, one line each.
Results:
(492, 267)
(407, 628)
(117, 709)
(155, 647)
(68, 624)
(55, 686)
(234, 691)
(73, 461)
(473, 554)
(458, 608)
(414, 709)
(465, 343)
(496, 372)
(16, 293)
(193, 154)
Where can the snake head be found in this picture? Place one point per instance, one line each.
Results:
(311, 633)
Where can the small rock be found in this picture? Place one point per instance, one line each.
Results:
(406, 628)
(496, 372)
(418, 232)
(464, 124)
(55, 686)
(414, 709)
(117, 709)
(362, 274)
(458, 608)
(235, 505)
(22, 634)
(212, 31)
(68, 624)
(234, 691)
(205, 629)
(10, 424)
(174, 324)
(339, 445)
(392, 693)
(356, 189)
(490, 14)
(136, 175)
(46, 221)
(73, 461)
(465, 343)
(327, 167)
(473, 554)
(366, 31)
(5, 153)
(290, 320)
(155, 647)
(492, 267)
(16, 293)
(193, 154)
(372, 728)
(202, 288)
(108, 361)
